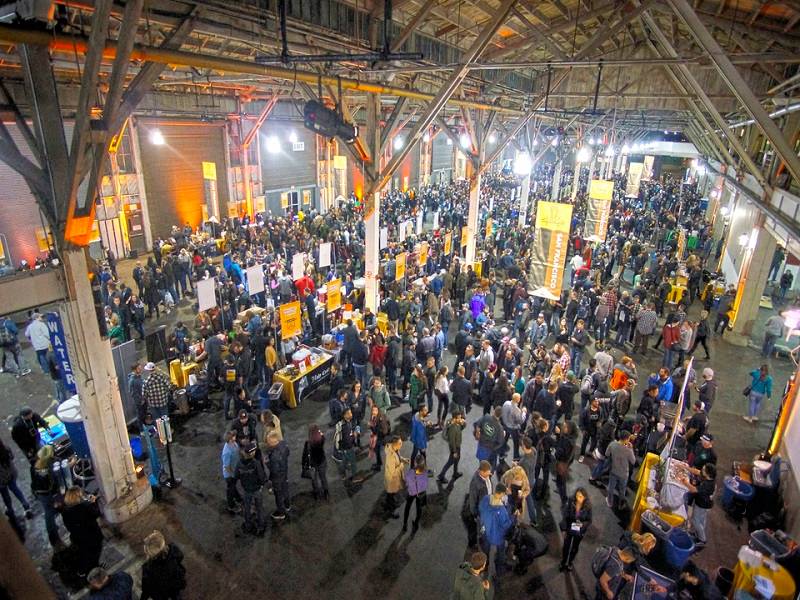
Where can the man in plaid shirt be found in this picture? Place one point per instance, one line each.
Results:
(157, 391)
(645, 326)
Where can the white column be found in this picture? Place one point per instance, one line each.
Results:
(472, 218)
(556, 182)
(372, 258)
(576, 177)
(137, 160)
(523, 199)
(101, 406)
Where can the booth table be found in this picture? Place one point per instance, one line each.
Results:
(646, 478)
(308, 379)
(179, 372)
(744, 579)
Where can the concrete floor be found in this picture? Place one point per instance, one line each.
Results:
(344, 548)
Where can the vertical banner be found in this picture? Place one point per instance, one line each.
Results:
(423, 254)
(420, 217)
(291, 319)
(333, 293)
(681, 242)
(402, 232)
(489, 227)
(400, 266)
(556, 189)
(298, 266)
(436, 221)
(384, 237)
(325, 254)
(284, 199)
(550, 248)
(206, 294)
(255, 279)
(647, 171)
(306, 197)
(59, 343)
(448, 243)
(634, 178)
(464, 235)
(210, 189)
(598, 206)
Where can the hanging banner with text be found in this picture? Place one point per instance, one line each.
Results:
(550, 248)
(647, 171)
(448, 243)
(598, 206)
(333, 300)
(635, 170)
(400, 266)
(291, 319)
(59, 343)
(489, 227)
(423, 254)
(464, 235)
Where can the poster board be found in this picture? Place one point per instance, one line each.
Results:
(206, 294)
(255, 279)
(334, 295)
(400, 266)
(384, 238)
(291, 319)
(298, 266)
(324, 255)
(448, 243)
(423, 254)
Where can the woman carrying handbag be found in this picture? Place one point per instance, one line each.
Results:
(577, 514)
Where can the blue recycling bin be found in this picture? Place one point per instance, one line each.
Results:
(679, 547)
(736, 490)
(69, 413)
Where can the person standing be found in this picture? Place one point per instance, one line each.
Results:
(513, 418)
(702, 500)
(496, 521)
(46, 490)
(577, 516)
(315, 461)
(345, 438)
(379, 428)
(702, 331)
(163, 573)
(479, 486)
(39, 336)
(156, 391)
(278, 465)
(251, 476)
(578, 342)
(393, 472)
(621, 457)
(230, 459)
(419, 433)
(773, 331)
(80, 514)
(452, 433)
(645, 326)
(528, 462)
(25, 431)
(8, 482)
(416, 480)
(490, 435)
(441, 388)
(116, 586)
(760, 387)
(564, 453)
(469, 583)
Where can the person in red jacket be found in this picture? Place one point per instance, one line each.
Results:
(305, 286)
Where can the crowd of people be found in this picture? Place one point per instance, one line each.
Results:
(556, 380)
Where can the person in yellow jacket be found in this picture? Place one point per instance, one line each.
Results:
(393, 471)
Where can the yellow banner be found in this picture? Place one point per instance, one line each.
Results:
(285, 200)
(634, 178)
(601, 189)
(291, 317)
(448, 243)
(423, 254)
(489, 227)
(340, 162)
(210, 170)
(334, 295)
(553, 221)
(464, 235)
(400, 266)
(306, 196)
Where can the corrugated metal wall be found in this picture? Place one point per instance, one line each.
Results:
(291, 168)
(173, 172)
(442, 157)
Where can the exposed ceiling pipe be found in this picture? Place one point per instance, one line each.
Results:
(79, 45)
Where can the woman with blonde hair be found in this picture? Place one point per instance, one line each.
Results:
(45, 487)
(516, 480)
(163, 574)
(80, 513)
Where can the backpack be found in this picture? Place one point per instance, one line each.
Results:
(600, 558)
(6, 337)
(587, 385)
(337, 441)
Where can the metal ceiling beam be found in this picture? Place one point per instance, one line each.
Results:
(22, 125)
(738, 86)
(444, 94)
(538, 35)
(406, 32)
(605, 33)
(262, 116)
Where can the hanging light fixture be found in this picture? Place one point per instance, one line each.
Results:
(157, 138)
(464, 141)
(273, 144)
(523, 164)
(583, 155)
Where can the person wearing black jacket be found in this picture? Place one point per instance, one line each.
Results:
(565, 395)
(45, 488)
(577, 514)
(163, 574)
(25, 431)
(278, 465)
(545, 403)
(80, 514)
(315, 461)
(487, 386)
(359, 354)
(461, 390)
(251, 476)
(564, 452)
(591, 418)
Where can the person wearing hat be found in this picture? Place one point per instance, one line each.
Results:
(704, 454)
(25, 431)
(696, 425)
(251, 476)
(707, 390)
(163, 574)
(702, 499)
(156, 390)
(496, 521)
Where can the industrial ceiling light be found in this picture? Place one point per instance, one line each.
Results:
(293, 137)
(554, 143)
(626, 149)
(273, 145)
(492, 138)
(610, 151)
(426, 138)
(449, 142)
(535, 142)
(592, 141)
(523, 164)
(398, 143)
(464, 141)
(583, 155)
(157, 138)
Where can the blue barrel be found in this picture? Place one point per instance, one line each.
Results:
(736, 489)
(69, 413)
(679, 547)
(136, 447)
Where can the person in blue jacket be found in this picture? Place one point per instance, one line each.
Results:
(760, 388)
(665, 386)
(419, 433)
(496, 522)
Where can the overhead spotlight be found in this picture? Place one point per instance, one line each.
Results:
(398, 143)
(583, 155)
(464, 141)
(610, 151)
(449, 142)
(273, 144)
(157, 138)
(626, 149)
(492, 138)
(554, 143)
(535, 142)
(591, 141)
(293, 137)
(523, 164)
(666, 133)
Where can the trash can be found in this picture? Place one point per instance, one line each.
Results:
(274, 396)
(724, 580)
(69, 413)
(654, 524)
(679, 548)
(736, 490)
(764, 542)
